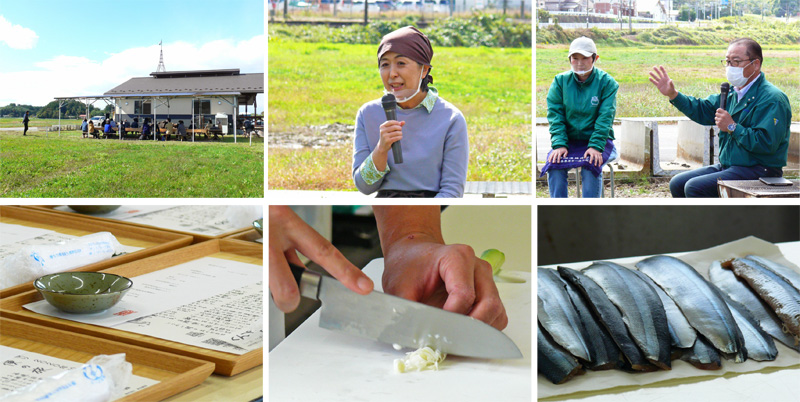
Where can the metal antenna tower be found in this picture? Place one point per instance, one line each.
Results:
(161, 67)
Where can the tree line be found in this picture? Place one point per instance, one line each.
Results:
(50, 111)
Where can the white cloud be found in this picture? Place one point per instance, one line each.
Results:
(16, 36)
(65, 75)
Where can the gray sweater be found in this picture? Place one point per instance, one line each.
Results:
(435, 149)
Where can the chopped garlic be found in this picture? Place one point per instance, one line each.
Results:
(421, 359)
(396, 346)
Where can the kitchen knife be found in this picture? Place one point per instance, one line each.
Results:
(395, 320)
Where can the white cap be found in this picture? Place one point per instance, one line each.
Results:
(584, 46)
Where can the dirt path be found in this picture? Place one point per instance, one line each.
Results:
(328, 135)
(654, 188)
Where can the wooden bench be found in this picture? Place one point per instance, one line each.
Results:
(134, 130)
(99, 132)
(195, 131)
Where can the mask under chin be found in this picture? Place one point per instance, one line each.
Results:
(403, 95)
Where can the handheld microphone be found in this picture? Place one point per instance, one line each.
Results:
(723, 94)
(389, 103)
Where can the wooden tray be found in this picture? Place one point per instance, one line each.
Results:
(197, 238)
(249, 236)
(174, 373)
(154, 241)
(226, 363)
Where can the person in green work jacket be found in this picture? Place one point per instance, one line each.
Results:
(581, 105)
(754, 126)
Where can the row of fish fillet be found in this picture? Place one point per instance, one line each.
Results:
(607, 316)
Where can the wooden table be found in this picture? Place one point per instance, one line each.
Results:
(756, 189)
(243, 387)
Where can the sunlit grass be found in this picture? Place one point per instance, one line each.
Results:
(54, 166)
(6, 122)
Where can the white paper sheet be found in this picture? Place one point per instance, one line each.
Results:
(124, 212)
(166, 289)
(231, 322)
(614, 381)
(19, 368)
(11, 233)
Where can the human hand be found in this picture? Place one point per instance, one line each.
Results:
(288, 234)
(418, 265)
(723, 119)
(391, 131)
(450, 277)
(557, 154)
(595, 156)
(661, 80)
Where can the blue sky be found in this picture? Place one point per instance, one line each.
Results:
(54, 48)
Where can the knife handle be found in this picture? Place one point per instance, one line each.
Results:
(307, 281)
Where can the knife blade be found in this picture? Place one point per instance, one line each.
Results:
(394, 320)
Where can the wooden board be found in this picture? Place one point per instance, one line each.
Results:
(756, 189)
(197, 237)
(226, 363)
(153, 241)
(243, 387)
(174, 373)
(249, 236)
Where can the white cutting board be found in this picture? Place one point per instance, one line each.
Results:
(316, 364)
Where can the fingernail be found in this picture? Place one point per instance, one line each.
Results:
(364, 284)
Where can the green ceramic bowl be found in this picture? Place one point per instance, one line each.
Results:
(82, 292)
(93, 209)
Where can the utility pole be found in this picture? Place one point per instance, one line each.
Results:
(630, 16)
(587, 14)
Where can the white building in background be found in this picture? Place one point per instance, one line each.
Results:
(655, 9)
(566, 5)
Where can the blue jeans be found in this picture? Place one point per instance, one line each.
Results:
(702, 182)
(592, 187)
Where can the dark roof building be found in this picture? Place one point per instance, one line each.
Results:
(197, 82)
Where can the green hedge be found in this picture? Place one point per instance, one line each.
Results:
(479, 30)
(720, 33)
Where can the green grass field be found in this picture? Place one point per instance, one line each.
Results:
(52, 166)
(323, 83)
(695, 70)
(7, 122)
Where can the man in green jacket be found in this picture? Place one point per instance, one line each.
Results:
(581, 105)
(754, 126)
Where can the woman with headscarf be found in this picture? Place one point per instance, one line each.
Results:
(435, 149)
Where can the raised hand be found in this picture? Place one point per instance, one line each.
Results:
(661, 80)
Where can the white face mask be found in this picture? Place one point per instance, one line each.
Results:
(407, 98)
(582, 72)
(736, 75)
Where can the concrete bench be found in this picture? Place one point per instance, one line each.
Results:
(639, 146)
(490, 189)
